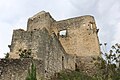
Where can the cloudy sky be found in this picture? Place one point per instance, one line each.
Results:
(14, 15)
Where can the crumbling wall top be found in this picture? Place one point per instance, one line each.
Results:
(40, 20)
(40, 14)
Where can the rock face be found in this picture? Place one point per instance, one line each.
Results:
(56, 43)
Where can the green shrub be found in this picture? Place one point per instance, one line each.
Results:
(6, 55)
(72, 75)
(25, 53)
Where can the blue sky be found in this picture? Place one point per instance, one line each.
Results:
(15, 13)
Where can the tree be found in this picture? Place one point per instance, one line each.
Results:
(109, 67)
(31, 73)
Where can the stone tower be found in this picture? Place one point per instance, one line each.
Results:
(77, 35)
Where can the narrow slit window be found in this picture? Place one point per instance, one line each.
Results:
(91, 26)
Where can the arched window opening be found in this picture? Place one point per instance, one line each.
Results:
(76, 67)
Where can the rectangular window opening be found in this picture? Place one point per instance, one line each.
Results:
(63, 33)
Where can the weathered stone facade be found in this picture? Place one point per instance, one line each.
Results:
(81, 32)
(55, 43)
(17, 69)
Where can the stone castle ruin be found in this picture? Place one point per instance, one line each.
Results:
(55, 46)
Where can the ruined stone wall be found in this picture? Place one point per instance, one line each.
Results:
(81, 37)
(69, 61)
(56, 58)
(35, 40)
(39, 21)
(21, 40)
(85, 64)
(81, 32)
(45, 47)
(58, 52)
(17, 69)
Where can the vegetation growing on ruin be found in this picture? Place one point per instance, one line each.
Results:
(108, 67)
(6, 55)
(72, 75)
(31, 72)
(25, 53)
